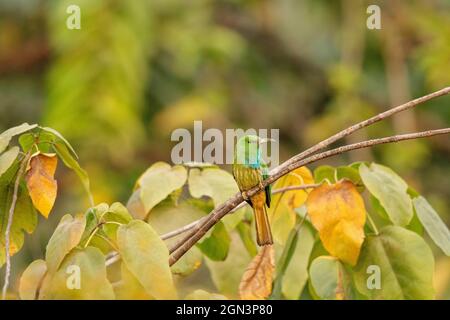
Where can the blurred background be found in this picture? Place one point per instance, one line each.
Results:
(139, 69)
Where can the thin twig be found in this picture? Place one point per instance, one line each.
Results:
(199, 231)
(185, 228)
(113, 257)
(9, 224)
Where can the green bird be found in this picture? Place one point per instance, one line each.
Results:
(249, 170)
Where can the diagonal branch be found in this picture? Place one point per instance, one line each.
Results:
(201, 228)
(281, 170)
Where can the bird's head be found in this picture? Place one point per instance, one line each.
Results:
(248, 150)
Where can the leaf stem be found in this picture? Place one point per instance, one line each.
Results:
(372, 223)
(113, 222)
(91, 236)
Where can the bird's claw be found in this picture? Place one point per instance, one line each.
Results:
(244, 195)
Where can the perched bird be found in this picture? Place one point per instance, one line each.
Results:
(249, 170)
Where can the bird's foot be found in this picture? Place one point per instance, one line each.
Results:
(244, 195)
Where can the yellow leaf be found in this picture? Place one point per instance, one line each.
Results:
(281, 212)
(298, 177)
(337, 211)
(282, 222)
(41, 184)
(256, 283)
(31, 280)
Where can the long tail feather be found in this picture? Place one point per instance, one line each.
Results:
(263, 232)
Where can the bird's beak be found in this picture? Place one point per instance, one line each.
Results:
(266, 140)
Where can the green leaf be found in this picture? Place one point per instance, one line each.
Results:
(147, 258)
(67, 235)
(43, 140)
(118, 213)
(31, 279)
(227, 274)
(115, 215)
(159, 181)
(92, 221)
(414, 224)
(87, 265)
(434, 225)
(100, 210)
(385, 185)
(5, 137)
(204, 295)
(405, 262)
(216, 246)
(219, 185)
(306, 294)
(26, 141)
(7, 159)
(59, 136)
(165, 218)
(25, 217)
(325, 173)
(350, 173)
(378, 208)
(296, 274)
(329, 279)
(282, 220)
(357, 164)
(283, 260)
(318, 250)
(71, 163)
(245, 232)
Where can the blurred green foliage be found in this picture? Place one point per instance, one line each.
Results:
(139, 69)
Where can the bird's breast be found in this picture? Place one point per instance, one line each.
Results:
(246, 177)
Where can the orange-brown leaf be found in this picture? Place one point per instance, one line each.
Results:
(337, 211)
(256, 282)
(42, 187)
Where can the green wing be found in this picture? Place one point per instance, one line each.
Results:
(268, 189)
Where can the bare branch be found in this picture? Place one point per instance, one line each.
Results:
(9, 224)
(200, 230)
(280, 170)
